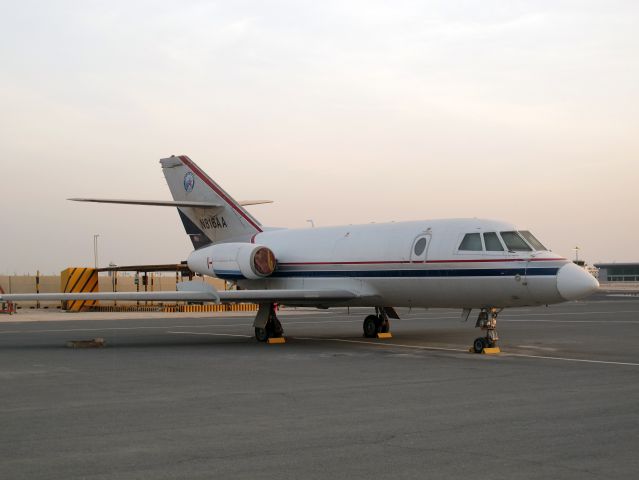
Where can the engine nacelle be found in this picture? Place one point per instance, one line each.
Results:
(233, 261)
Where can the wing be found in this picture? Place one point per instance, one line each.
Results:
(120, 296)
(286, 296)
(297, 297)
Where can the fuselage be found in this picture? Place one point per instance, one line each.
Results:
(467, 263)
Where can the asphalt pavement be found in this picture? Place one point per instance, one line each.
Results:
(197, 397)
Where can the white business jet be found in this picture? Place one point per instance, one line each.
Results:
(452, 263)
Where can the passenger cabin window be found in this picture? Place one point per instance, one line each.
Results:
(471, 242)
(420, 246)
(492, 242)
(514, 242)
(530, 238)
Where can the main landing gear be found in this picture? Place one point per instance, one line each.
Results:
(378, 325)
(487, 321)
(267, 326)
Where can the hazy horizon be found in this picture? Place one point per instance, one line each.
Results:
(340, 112)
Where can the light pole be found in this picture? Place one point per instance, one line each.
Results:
(95, 249)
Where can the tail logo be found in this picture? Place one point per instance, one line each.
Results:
(189, 181)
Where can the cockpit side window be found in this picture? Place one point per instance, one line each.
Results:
(492, 242)
(530, 238)
(514, 242)
(471, 242)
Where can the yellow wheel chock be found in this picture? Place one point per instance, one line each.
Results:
(486, 350)
(276, 340)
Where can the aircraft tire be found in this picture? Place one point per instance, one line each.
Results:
(261, 335)
(371, 326)
(479, 344)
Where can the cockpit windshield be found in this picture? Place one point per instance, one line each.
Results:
(530, 238)
(514, 242)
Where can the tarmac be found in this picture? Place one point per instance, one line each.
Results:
(193, 396)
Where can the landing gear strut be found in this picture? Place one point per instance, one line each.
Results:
(266, 324)
(375, 324)
(487, 321)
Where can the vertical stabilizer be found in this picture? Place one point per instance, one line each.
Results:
(225, 223)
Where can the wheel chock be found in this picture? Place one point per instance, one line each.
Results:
(486, 351)
(93, 343)
(384, 335)
(276, 340)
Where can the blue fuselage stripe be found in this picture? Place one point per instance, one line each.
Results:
(406, 273)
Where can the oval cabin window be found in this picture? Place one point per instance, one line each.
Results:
(420, 246)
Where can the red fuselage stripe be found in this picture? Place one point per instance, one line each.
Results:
(428, 261)
(187, 161)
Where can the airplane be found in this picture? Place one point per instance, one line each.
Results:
(470, 264)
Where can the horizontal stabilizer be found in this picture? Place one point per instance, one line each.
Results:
(166, 203)
(156, 267)
(245, 203)
(153, 203)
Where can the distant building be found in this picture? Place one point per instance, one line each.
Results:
(618, 272)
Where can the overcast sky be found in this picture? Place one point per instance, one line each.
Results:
(341, 112)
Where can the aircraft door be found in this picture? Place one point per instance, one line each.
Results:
(419, 248)
(537, 287)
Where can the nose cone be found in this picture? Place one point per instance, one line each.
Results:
(573, 282)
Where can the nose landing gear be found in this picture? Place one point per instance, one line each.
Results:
(378, 325)
(487, 321)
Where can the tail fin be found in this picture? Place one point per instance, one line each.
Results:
(205, 225)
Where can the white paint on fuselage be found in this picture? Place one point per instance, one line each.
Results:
(375, 260)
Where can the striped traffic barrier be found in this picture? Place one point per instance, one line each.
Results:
(79, 280)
